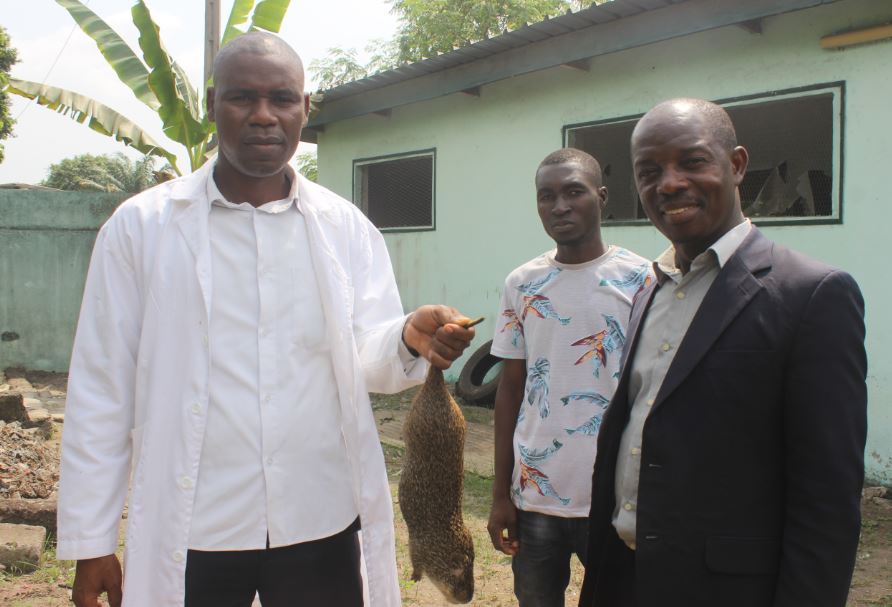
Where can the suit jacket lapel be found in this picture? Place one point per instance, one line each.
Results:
(732, 290)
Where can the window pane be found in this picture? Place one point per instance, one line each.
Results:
(791, 147)
(398, 193)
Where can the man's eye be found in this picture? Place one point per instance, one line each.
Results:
(239, 99)
(284, 99)
(646, 173)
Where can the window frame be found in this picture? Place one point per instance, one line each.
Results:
(836, 88)
(359, 163)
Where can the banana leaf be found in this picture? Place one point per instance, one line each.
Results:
(269, 15)
(186, 91)
(237, 16)
(120, 57)
(97, 116)
(179, 124)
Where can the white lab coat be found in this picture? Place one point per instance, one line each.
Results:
(138, 388)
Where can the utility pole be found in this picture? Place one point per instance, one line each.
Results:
(211, 37)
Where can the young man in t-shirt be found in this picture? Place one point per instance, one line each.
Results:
(560, 332)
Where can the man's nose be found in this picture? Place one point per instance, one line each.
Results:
(671, 181)
(561, 206)
(262, 112)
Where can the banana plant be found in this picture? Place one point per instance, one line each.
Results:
(155, 79)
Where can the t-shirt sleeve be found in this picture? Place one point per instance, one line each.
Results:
(508, 341)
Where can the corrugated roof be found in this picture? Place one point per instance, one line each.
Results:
(535, 32)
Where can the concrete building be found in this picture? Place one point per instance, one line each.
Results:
(441, 154)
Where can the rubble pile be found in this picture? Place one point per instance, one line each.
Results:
(29, 465)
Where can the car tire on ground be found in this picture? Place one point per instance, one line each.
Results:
(471, 385)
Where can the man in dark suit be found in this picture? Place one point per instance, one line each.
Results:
(730, 461)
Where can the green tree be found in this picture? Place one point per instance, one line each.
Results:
(429, 27)
(107, 173)
(8, 57)
(337, 67)
(156, 79)
(308, 166)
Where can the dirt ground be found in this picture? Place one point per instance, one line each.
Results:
(50, 585)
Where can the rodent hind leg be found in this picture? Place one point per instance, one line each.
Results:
(415, 558)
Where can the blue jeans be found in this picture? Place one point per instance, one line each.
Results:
(542, 565)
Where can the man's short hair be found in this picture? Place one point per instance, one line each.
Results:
(257, 43)
(717, 120)
(574, 156)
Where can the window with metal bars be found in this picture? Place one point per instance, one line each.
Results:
(793, 137)
(396, 192)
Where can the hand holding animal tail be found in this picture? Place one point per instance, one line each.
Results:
(438, 333)
(430, 491)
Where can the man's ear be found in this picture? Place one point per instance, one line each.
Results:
(209, 104)
(306, 109)
(604, 195)
(740, 159)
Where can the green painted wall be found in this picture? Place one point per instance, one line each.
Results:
(45, 244)
(488, 149)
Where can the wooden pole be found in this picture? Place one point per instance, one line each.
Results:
(211, 37)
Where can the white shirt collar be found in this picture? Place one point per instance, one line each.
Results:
(216, 198)
(722, 250)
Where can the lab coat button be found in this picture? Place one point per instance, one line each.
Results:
(665, 347)
(186, 482)
(178, 556)
(196, 408)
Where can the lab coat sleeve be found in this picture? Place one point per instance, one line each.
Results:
(378, 317)
(99, 411)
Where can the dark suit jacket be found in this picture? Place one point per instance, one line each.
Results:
(752, 456)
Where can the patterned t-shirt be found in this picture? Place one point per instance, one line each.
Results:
(568, 321)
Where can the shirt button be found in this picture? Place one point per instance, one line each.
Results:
(665, 347)
(650, 402)
(628, 506)
(204, 339)
(267, 399)
(635, 450)
(186, 482)
(269, 461)
(679, 295)
(196, 408)
(178, 556)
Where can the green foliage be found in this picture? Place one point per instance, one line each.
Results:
(429, 27)
(337, 67)
(307, 165)
(8, 57)
(116, 173)
(155, 79)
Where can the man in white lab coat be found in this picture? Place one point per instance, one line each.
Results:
(233, 323)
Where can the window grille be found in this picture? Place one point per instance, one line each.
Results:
(793, 139)
(396, 192)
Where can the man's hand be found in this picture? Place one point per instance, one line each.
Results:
(437, 333)
(95, 576)
(502, 520)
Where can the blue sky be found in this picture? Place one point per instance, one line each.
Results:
(43, 34)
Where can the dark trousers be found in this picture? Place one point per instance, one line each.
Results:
(542, 566)
(320, 573)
